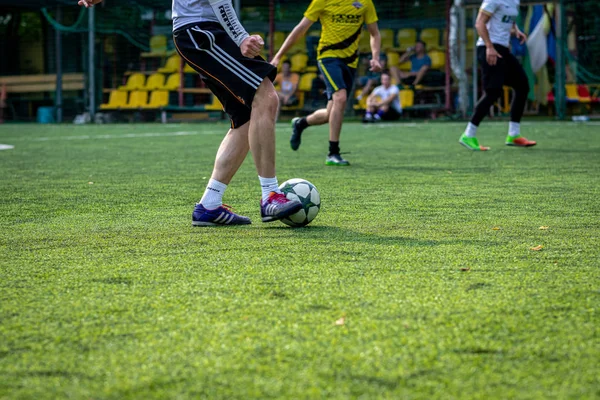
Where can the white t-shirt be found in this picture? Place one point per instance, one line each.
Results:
(503, 14)
(384, 93)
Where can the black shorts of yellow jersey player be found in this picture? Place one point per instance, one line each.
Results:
(338, 75)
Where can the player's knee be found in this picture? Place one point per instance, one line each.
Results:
(266, 98)
(340, 97)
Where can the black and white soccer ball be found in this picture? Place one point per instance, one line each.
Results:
(307, 193)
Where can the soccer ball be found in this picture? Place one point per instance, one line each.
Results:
(307, 193)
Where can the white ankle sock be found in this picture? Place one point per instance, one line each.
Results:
(268, 185)
(213, 195)
(471, 130)
(514, 129)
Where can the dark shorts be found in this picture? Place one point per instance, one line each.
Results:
(338, 75)
(233, 78)
(390, 115)
(507, 70)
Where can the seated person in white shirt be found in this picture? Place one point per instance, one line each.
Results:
(384, 102)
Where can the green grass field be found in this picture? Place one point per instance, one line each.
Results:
(416, 280)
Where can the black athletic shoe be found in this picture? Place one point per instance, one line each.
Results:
(296, 138)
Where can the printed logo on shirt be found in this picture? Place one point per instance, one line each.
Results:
(357, 5)
(346, 19)
(509, 19)
(227, 20)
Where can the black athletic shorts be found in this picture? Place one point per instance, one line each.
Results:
(233, 78)
(507, 70)
(338, 75)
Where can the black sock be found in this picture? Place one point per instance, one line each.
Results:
(302, 123)
(334, 148)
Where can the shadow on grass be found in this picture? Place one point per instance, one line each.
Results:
(328, 233)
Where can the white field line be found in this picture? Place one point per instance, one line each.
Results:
(6, 147)
(126, 136)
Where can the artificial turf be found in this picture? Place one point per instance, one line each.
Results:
(419, 278)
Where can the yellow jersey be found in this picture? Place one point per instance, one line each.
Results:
(341, 22)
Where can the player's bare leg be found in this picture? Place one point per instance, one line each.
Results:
(262, 128)
(336, 117)
(230, 156)
(319, 117)
(261, 138)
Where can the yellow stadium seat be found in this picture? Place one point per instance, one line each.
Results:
(299, 62)
(393, 58)
(215, 105)
(135, 81)
(387, 39)
(173, 82)
(137, 99)
(431, 37)
(405, 66)
(158, 99)
(362, 103)
(299, 46)
(158, 47)
(407, 98)
(406, 38)
(471, 38)
(438, 59)
(155, 81)
(187, 69)
(364, 43)
(305, 84)
(116, 99)
(172, 65)
(572, 92)
(278, 39)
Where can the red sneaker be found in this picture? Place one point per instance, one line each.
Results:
(277, 207)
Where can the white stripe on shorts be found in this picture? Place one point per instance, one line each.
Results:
(227, 60)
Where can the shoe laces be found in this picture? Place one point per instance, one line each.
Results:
(278, 198)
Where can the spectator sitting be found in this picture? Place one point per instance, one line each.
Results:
(370, 79)
(384, 102)
(420, 63)
(287, 84)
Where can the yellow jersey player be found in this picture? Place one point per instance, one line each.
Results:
(342, 23)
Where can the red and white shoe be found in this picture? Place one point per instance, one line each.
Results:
(277, 207)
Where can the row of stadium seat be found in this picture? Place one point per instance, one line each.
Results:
(140, 100)
(400, 40)
(156, 81)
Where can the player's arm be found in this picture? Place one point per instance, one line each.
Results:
(375, 46)
(375, 42)
(485, 13)
(88, 3)
(225, 13)
(518, 33)
(406, 56)
(389, 99)
(296, 33)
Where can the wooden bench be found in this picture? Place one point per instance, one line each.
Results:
(14, 85)
(41, 83)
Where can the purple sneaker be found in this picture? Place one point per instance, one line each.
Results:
(278, 207)
(218, 217)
